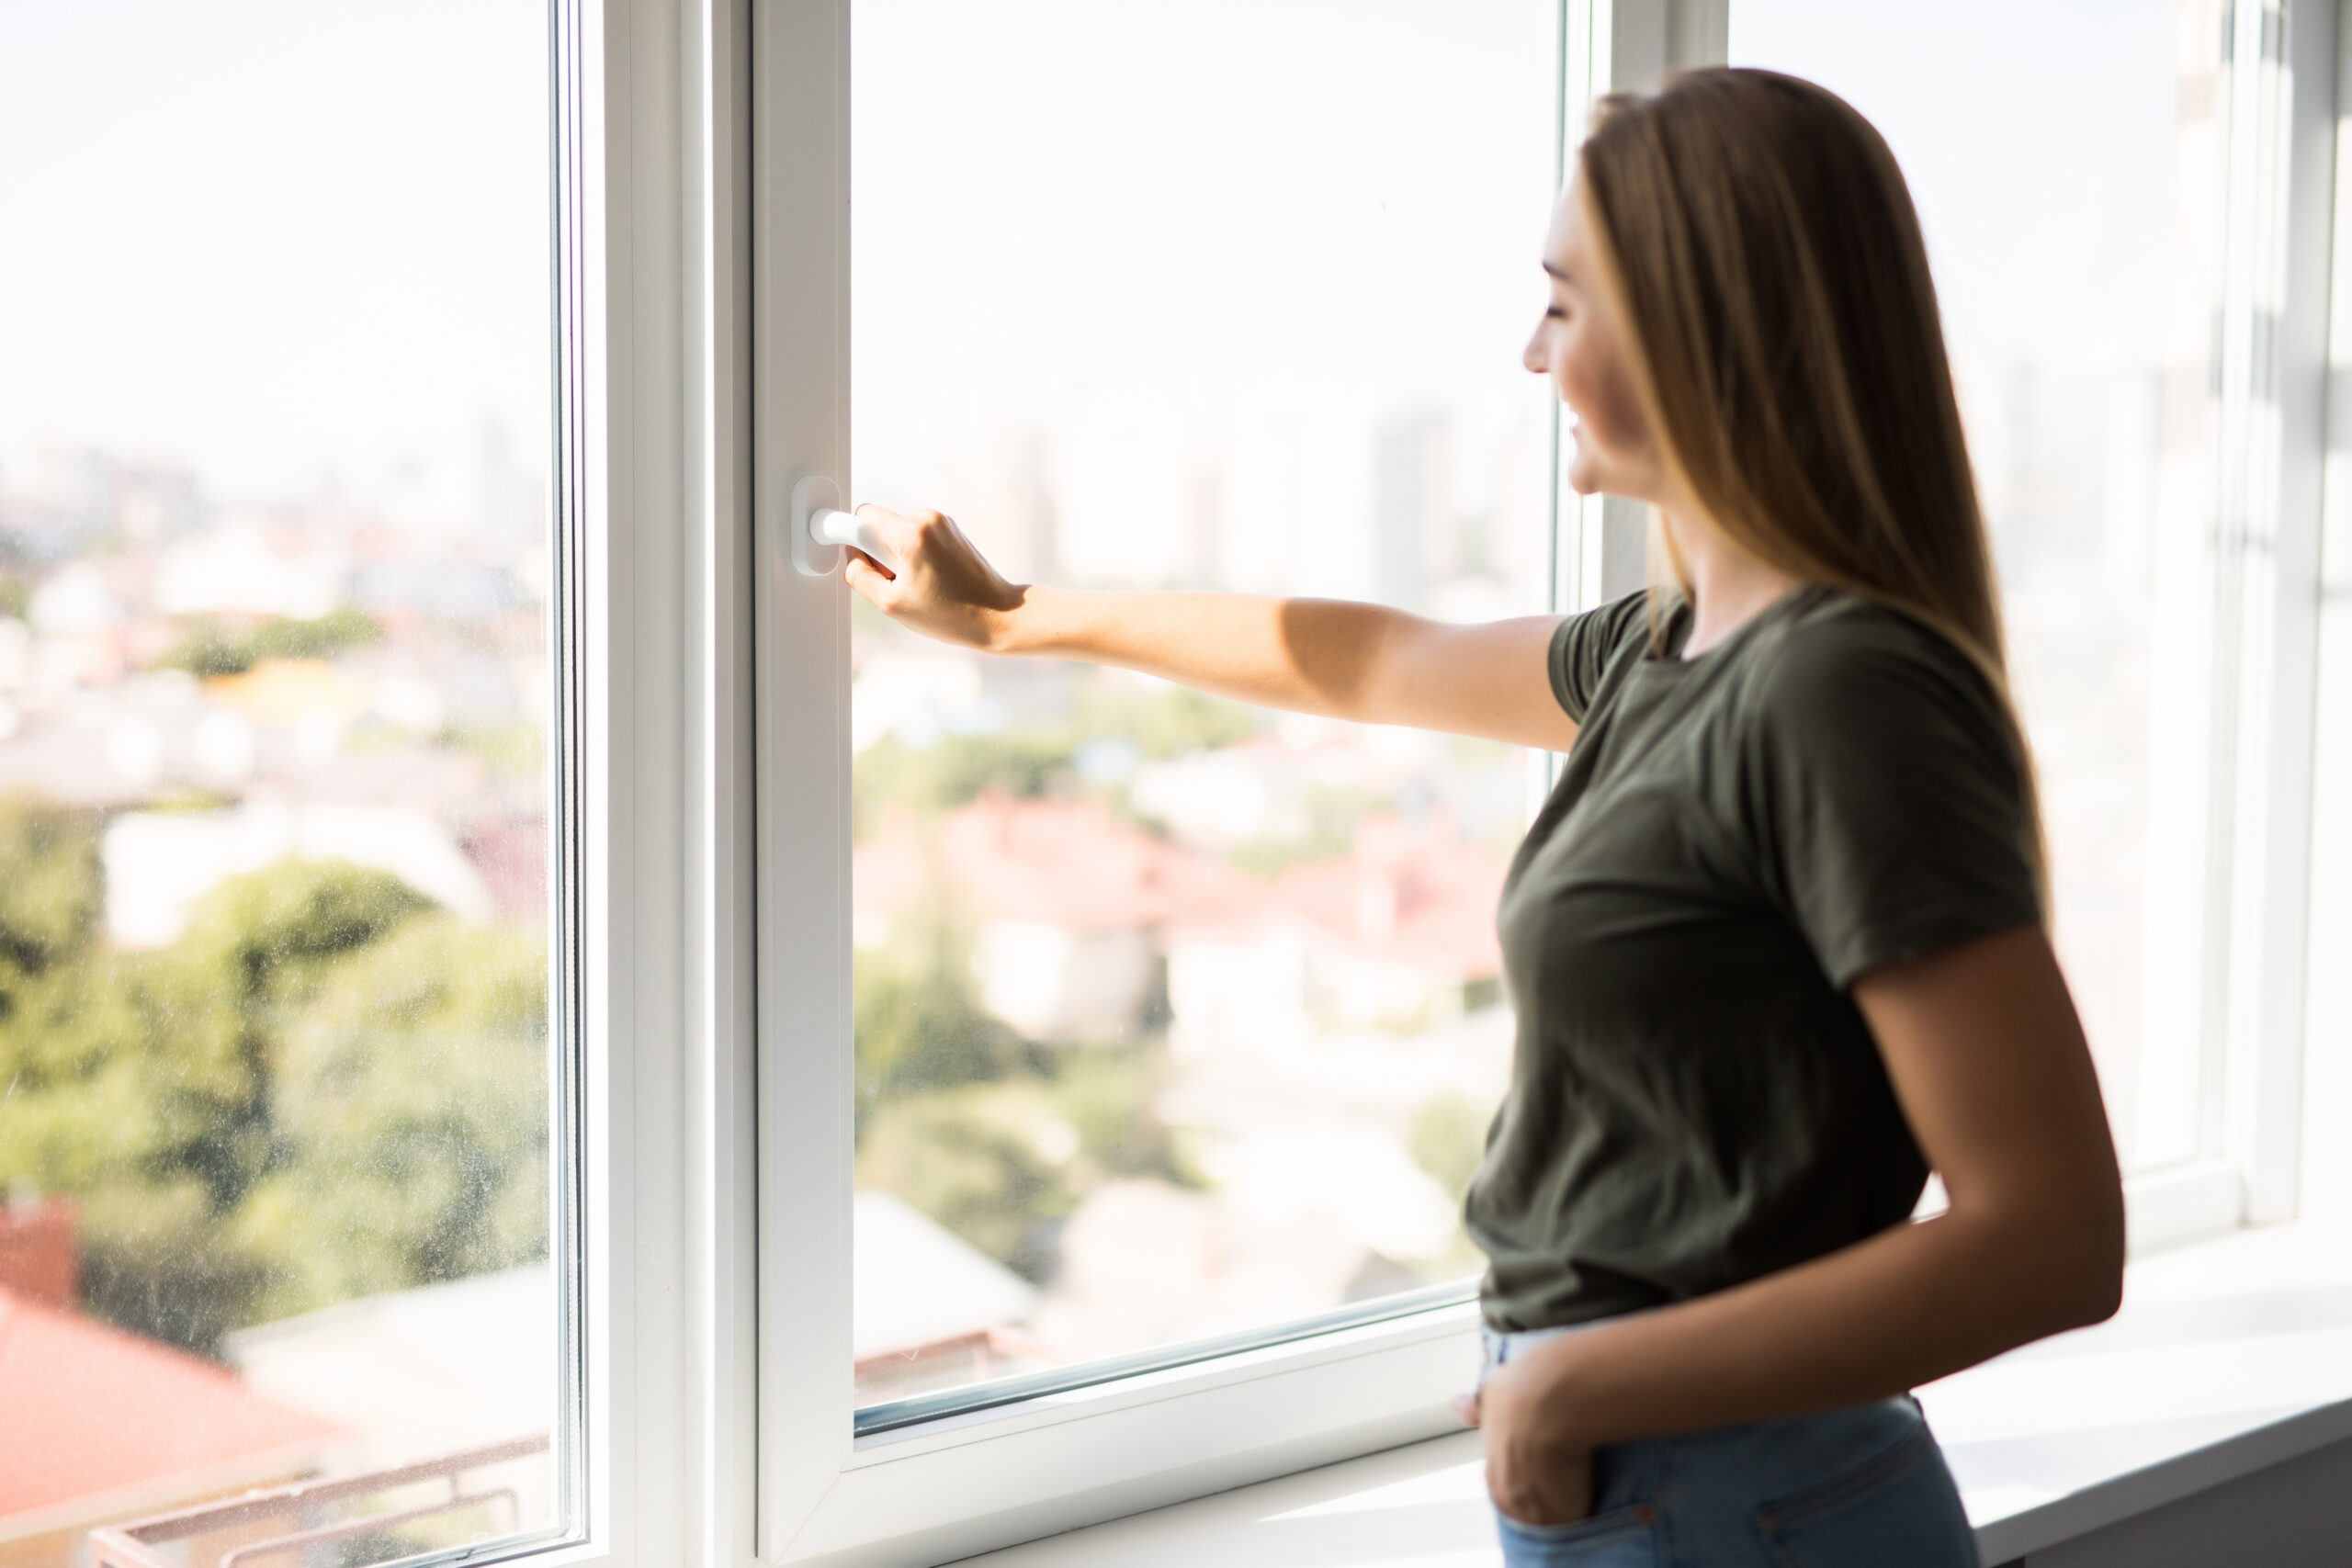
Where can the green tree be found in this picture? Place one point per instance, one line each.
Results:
(324, 1088)
(918, 1022)
(217, 1005)
(995, 1136)
(411, 1116)
(1449, 1138)
(211, 648)
(983, 1161)
(75, 1099)
(1023, 763)
(1161, 722)
(49, 888)
(202, 1062)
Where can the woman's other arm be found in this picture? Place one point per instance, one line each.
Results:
(1990, 1065)
(1366, 663)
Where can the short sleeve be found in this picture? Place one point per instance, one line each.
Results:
(1890, 803)
(1584, 646)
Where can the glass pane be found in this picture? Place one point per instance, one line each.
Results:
(2071, 217)
(274, 1117)
(1176, 1018)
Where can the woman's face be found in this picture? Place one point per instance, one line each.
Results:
(1583, 345)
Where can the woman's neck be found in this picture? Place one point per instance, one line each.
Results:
(1730, 585)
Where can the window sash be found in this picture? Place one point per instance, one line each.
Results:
(963, 1482)
(650, 482)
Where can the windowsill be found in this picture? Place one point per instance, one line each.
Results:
(2227, 1357)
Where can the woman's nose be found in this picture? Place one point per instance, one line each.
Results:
(1533, 356)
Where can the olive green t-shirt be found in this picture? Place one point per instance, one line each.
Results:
(1695, 1098)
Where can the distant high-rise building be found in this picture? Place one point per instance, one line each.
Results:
(1412, 512)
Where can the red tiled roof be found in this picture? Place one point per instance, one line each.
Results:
(1070, 862)
(1409, 895)
(512, 859)
(1419, 896)
(86, 1411)
(38, 1257)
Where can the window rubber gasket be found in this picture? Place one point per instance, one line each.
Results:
(892, 1414)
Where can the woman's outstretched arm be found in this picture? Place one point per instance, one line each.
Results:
(1366, 663)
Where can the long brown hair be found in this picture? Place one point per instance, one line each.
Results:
(1769, 262)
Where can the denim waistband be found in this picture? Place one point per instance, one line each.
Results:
(1499, 1345)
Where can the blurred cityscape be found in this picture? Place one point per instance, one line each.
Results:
(272, 1015)
(1173, 1017)
(160, 647)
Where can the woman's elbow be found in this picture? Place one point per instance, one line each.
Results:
(2079, 1258)
(2102, 1284)
(2052, 1258)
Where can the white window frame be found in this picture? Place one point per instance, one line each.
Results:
(2275, 384)
(704, 244)
(2250, 835)
(943, 1489)
(651, 485)
(2255, 710)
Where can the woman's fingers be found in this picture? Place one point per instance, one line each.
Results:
(1466, 1405)
(869, 582)
(1536, 1485)
(901, 535)
(1532, 1474)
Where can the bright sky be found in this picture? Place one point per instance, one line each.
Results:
(2037, 136)
(1153, 235)
(277, 238)
(285, 238)
(1050, 193)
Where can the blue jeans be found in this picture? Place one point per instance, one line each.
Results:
(1862, 1487)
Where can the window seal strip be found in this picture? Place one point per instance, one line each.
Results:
(894, 1415)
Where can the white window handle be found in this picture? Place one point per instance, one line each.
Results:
(820, 527)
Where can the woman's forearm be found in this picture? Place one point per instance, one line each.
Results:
(1366, 663)
(1306, 655)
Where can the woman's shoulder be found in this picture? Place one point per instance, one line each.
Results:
(1624, 623)
(1829, 632)
(1587, 646)
(1838, 660)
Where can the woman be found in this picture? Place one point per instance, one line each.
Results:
(1776, 945)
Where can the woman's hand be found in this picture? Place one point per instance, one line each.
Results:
(1536, 1474)
(943, 587)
